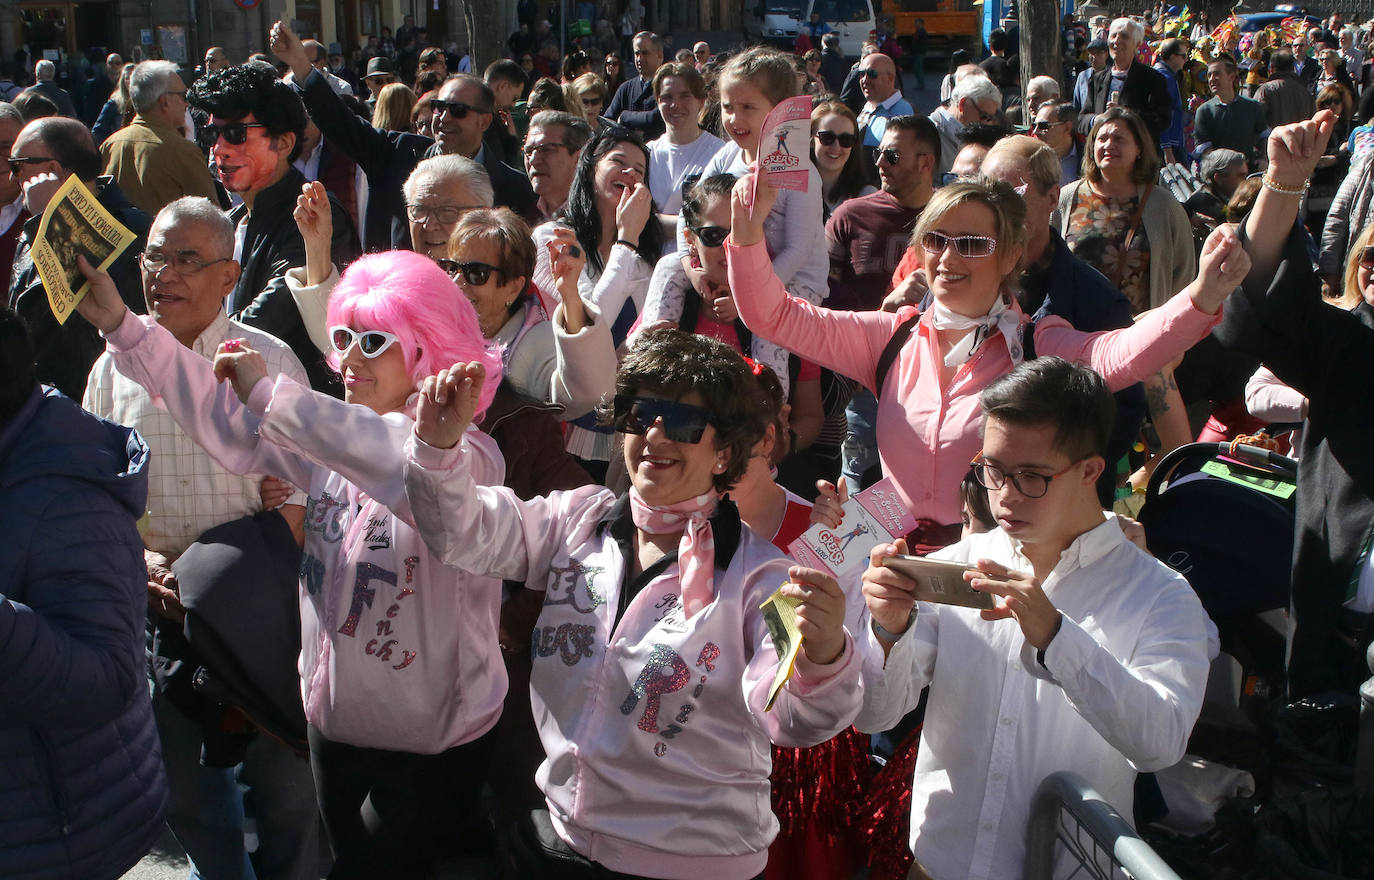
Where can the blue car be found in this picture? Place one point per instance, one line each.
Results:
(1258, 21)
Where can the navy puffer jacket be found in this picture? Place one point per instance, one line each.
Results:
(82, 790)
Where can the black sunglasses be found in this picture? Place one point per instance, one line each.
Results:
(1042, 125)
(456, 109)
(828, 138)
(473, 273)
(234, 133)
(17, 163)
(870, 73)
(711, 236)
(891, 156)
(682, 422)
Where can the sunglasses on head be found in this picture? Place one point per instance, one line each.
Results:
(711, 236)
(456, 109)
(934, 243)
(829, 138)
(475, 274)
(234, 133)
(682, 422)
(370, 342)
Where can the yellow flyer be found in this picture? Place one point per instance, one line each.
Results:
(780, 616)
(74, 223)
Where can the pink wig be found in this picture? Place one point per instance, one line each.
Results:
(407, 294)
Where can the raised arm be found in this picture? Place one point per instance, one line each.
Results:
(847, 342)
(479, 529)
(311, 285)
(371, 148)
(184, 383)
(1293, 154)
(1134, 353)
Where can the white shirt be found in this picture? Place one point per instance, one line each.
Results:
(670, 164)
(309, 165)
(188, 491)
(1120, 690)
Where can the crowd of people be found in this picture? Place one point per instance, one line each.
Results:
(464, 422)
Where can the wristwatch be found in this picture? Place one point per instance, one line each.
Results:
(888, 635)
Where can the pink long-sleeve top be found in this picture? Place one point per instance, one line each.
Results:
(398, 650)
(928, 434)
(655, 724)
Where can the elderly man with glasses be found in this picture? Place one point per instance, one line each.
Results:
(188, 270)
(974, 101)
(47, 152)
(1125, 82)
(150, 158)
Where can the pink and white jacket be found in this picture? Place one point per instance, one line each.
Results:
(654, 727)
(927, 435)
(398, 650)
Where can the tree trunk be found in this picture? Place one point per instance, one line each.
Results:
(485, 20)
(1041, 51)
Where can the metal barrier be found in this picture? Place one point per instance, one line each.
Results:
(1067, 810)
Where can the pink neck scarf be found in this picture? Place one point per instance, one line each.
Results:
(696, 552)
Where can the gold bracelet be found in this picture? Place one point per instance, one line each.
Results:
(1284, 191)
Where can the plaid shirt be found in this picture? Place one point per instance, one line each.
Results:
(188, 492)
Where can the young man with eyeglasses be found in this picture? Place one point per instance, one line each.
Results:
(150, 158)
(45, 153)
(1093, 659)
(256, 130)
(188, 269)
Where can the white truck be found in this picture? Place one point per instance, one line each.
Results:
(778, 22)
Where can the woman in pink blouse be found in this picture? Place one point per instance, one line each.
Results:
(969, 238)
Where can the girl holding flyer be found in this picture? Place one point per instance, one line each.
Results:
(751, 85)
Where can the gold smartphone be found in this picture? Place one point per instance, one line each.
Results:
(941, 582)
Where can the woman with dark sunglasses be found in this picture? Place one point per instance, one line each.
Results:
(401, 673)
(653, 661)
(834, 136)
(969, 238)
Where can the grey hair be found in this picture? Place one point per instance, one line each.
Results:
(474, 175)
(149, 83)
(975, 88)
(45, 69)
(1047, 81)
(1133, 27)
(576, 131)
(10, 113)
(198, 209)
(1217, 161)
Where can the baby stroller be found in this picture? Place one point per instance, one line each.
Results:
(1222, 515)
